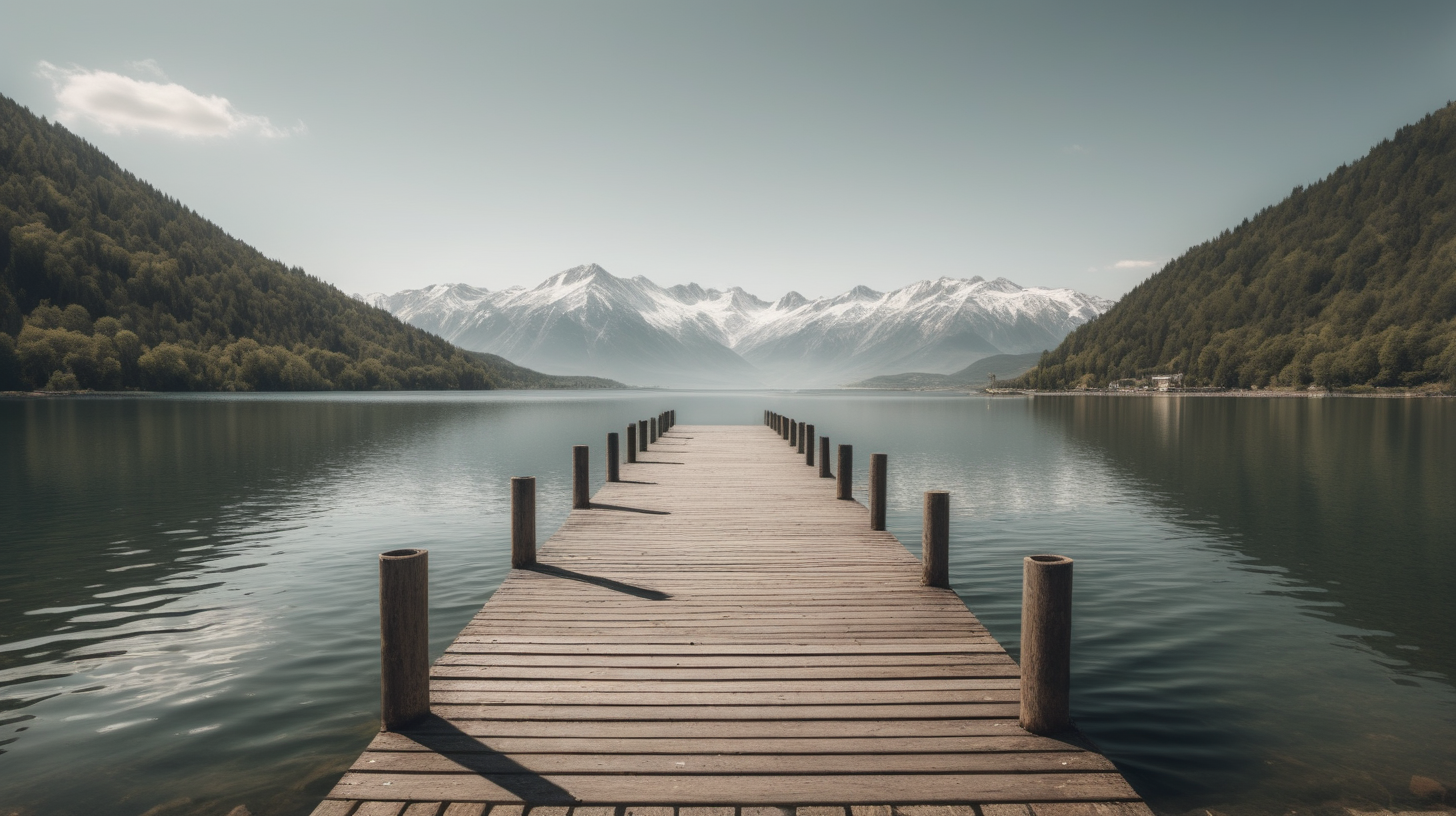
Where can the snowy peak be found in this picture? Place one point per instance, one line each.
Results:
(585, 320)
(790, 302)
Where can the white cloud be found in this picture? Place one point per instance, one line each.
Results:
(119, 103)
(1134, 264)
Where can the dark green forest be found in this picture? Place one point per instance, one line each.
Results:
(1348, 283)
(108, 284)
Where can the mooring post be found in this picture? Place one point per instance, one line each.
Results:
(793, 433)
(1046, 643)
(803, 426)
(631, 442)
(935, 539)
(672, 415)
(846, 471)
(642, 435)
(809, 445)
(784, 431)
(878, 464)
(614, 473)
(824, 458)
(404, 637)
(523, 521)
(580, 487)
(652, 430)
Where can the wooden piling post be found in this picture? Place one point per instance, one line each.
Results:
(523, 521)
(935, 539)
(824, 458)
(1046, 643)
(672, 417)
(879, 462)
(784, 431)
(404, 637)
(846, 472)
(803, 426)
(580, 486)
(614, 473)
(631, 442)
(642, 435)
(809, 445)
(652, 430)
(793, 433)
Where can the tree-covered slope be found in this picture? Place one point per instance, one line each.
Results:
(1349, 282)
(106, 283)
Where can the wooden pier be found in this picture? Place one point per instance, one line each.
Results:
(719, 634)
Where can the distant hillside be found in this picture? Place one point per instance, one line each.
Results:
(506, 374)
(977, 375)
(106, 283)
(1349, 282)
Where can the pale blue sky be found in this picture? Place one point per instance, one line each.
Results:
(812, 146)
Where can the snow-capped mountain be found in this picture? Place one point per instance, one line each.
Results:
(587, 321)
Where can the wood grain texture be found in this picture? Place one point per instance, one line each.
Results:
(718, 631)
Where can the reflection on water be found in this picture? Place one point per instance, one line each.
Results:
(187, 621)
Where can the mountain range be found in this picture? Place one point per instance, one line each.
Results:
(587, 321)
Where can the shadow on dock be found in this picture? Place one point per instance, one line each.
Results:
(444, 738)
(605, 583)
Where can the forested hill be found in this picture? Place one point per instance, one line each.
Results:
(106, 283)
(1349, 282)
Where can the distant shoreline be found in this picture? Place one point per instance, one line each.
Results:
(1233, 392)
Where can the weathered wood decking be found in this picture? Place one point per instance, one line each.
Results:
(719, 631)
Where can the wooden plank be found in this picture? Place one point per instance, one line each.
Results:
(456, 743)
(423, 762)
(754, 790)
(714, 712)
(881, 729)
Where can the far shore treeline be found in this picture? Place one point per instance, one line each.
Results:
(1347, 284)
(107, 284)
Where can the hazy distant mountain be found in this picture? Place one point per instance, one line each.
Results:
(976, 376)
(587, 321)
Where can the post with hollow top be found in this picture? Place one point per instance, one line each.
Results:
(614, 472)
(846, 472)
(809, 445)
(935, 540)
(824, 458)
(580, 487)
(642, 435)
(1046, 643)
(878, 465)
(523, 521)
(631, 442)
(404, 637)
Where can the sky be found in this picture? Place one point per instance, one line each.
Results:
(812, 146)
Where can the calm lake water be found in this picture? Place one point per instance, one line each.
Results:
(1264, 612)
